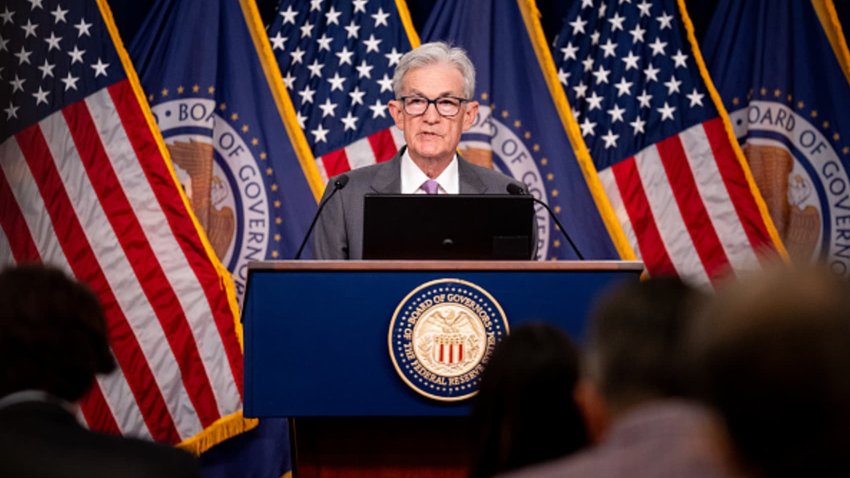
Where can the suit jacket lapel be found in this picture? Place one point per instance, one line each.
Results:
(469, 180)
(387, 178)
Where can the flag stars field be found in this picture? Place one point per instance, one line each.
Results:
(45, 68)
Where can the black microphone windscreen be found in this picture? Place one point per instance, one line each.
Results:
(341, 181)
(515, 189)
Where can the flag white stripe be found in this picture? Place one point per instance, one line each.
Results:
(116, 391)
(6, 257)
(668, 216)
(716, 199)
(360, 153)
(120, 275)
(609, 184)
(398, 136)
(78, 412)
(31, 204)
(114, 387)
(173, 261)
(323, 173)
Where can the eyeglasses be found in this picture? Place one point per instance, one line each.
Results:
(446, 106)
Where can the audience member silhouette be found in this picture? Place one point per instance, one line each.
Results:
(633, 388)
(53, 341)
(525, 410)
(773, 352)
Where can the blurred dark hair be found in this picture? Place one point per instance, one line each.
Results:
(637, 337)
(773, 352)
(52, 333)
(525, 410)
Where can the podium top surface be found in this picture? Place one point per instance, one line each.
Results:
(449, 265)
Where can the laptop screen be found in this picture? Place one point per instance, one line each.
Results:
(448, 226)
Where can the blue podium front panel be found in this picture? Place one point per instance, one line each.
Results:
(316, 334)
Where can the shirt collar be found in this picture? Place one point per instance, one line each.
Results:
(412, 177)
(24, 396)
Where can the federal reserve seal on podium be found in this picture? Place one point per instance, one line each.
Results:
(442, 335)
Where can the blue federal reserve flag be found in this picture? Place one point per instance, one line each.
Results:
(217, 96)
(782, 70)
(524, 127)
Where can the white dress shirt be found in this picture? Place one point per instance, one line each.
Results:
(412, 177)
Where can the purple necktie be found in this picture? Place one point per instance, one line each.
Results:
(430, 186)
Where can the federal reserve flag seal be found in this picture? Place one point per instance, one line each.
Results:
(442, 335)
(216, 95)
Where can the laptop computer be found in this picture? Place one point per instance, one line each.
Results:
(448, 226)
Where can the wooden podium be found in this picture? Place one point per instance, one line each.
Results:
(316, 350)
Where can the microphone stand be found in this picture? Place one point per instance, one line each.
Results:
(515, 189)
(339, 183)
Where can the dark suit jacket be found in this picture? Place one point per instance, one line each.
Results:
(339, 229)
(41, 439)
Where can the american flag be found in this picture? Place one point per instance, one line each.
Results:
(660, 141)
(337, 59)
(85, 184)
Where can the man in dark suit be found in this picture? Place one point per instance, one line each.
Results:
(434, 86)
(52, 343)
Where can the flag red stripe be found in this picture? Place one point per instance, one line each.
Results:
(336, 162)
(383, 145)
(652, 248)
(737, 186)
(142, 259)
(97, 412)
(694, 214)
(84, 264)
(15, 226)
(172, 205)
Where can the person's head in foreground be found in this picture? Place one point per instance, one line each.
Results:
(773, 352)
(525, 411)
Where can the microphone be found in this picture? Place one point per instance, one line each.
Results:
(515, 189)
(339, 183)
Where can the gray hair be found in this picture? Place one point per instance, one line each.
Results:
(432, 53)
(636, 340)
